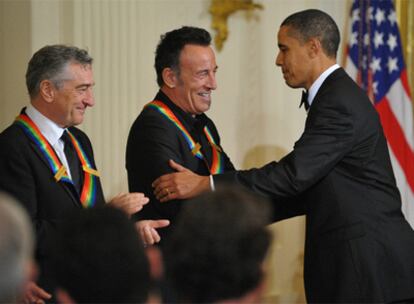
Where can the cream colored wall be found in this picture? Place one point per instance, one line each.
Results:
(256, 113)
(14, 54)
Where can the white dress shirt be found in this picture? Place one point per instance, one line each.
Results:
(318, 82)
(51, 131)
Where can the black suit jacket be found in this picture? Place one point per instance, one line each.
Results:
(25, 173)
(154, 140)
(359, 247)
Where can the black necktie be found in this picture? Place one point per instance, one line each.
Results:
(73, 160)
(304, 100)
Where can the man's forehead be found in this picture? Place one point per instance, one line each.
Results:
(191, 50)
(287, 34)
(75, 70)
(286, 30)
(197, 55)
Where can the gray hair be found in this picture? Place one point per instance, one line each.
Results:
(16, 248)
(50, 63)
(314, 23)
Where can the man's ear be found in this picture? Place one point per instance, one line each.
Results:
(169, 77)
(47, 90)
(314, 47)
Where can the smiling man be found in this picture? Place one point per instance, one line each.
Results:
(174, 126)
(47, 163)
(358, 246)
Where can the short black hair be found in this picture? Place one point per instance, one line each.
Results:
(100, 258)
(167, 54)
(49, 63)
(313, 23)
(217, 249)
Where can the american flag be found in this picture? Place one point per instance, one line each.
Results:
(375, 61)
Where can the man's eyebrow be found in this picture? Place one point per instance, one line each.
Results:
(202, 71)
(85, 85)
(206, 70)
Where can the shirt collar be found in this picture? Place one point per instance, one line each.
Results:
(194, 122)
(50, 130)
(318, 82)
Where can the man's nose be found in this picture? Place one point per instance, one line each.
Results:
(212, 81)
(89, 99)
(278, 60)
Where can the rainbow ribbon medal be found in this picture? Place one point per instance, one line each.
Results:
(88, 193)
(217, 162)
(217, 159)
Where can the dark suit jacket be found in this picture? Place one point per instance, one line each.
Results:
(152, 141)
(359, 247)
(25, 174)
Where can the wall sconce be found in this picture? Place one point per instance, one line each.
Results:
(220, 11)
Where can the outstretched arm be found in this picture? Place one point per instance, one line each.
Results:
(182, 184)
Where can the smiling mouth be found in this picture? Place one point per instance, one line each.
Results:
(205, 95)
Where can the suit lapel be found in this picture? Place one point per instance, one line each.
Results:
(69, 188)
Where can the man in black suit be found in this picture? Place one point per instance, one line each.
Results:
(174, 125)
(47, 163)
(358, 245)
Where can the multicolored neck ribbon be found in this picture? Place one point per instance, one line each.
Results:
(195, 147)
(88, 193)
(217, 162)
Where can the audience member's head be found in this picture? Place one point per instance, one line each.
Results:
(218, 248)
(16, 249)
(101, 259)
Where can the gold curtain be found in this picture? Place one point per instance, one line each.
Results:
(405, 15)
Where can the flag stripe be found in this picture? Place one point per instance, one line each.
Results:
(406, 192)
(396, 139)
(374, 60)
(400, 105)
(406, 85)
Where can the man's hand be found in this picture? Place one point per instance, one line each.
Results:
(130, 203)
(35, 294)
(180, 185)
(147, 232)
